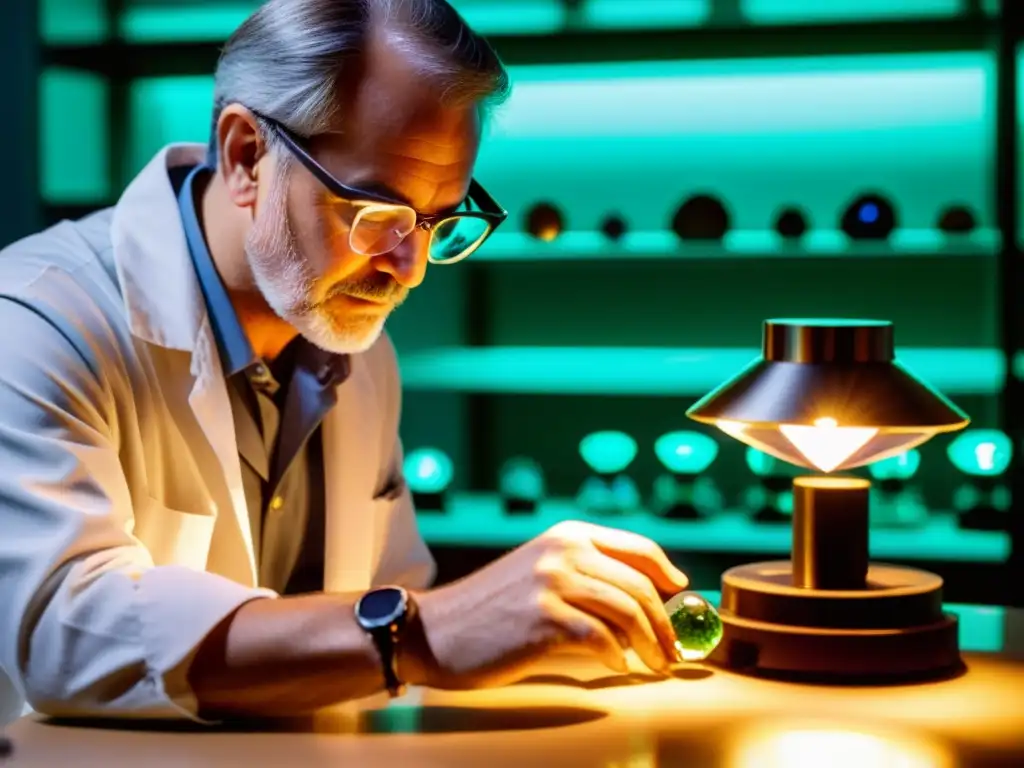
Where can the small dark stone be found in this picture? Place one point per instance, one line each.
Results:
(957, 219)
(614, 227)
(702, 217)
(545, 222)
(869, 217)
(791, 223)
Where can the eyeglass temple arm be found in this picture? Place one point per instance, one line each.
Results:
(476, 189)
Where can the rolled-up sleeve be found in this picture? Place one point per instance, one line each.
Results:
(88, 625)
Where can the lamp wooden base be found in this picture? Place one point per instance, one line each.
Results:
(892, 629)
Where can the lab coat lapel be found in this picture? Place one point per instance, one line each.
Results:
(211, 405)
(351, 458)
(165, 307)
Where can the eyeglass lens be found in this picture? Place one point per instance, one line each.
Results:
(379, 229)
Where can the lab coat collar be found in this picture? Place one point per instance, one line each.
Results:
(162, 296)
(165, 306)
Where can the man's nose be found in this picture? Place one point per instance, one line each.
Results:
(407, 263)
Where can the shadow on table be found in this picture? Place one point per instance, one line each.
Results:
(617, 681)
(428, 719)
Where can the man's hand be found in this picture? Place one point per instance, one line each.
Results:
(578, 588)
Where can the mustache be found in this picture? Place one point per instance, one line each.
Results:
(379, 287)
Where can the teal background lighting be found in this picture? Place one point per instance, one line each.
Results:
(163, 110)
(727, 127)
(75, 159)
(762, 464)
(800, 11)
(899, 467)
(521, 478)
(654, 371)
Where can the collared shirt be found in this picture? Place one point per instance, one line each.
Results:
(277, 408)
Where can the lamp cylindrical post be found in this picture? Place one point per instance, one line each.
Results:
(830, 532)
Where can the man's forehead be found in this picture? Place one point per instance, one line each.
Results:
(423, 152)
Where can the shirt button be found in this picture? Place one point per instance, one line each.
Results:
(326, 374)
(276, 503)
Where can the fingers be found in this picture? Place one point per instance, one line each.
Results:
(621, 612)
(583, 632)
(640, 590)
(640, 553)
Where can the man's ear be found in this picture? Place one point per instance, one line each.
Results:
(240, 148)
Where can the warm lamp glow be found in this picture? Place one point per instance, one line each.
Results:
(827, 445)
(803, 745)
(824, 445)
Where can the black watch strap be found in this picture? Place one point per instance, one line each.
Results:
(387, 640)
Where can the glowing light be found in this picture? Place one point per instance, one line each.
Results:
(608, 452)
(985, 455)
(733, 428)
(802, 745)
(981, 452)
(428, 470)
(826, 445)
(760, 463)
(686, 452)
(521, 478)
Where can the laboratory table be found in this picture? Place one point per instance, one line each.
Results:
(571, 713)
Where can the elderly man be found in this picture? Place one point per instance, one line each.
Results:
(202, 512)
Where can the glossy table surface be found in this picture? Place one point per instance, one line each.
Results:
(572, 713)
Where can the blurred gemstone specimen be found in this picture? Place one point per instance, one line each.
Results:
(697, 625)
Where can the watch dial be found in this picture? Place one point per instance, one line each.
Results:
(380, 604)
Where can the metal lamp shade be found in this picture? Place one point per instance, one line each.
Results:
(828, 395)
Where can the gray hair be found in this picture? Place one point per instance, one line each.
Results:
(291, 58)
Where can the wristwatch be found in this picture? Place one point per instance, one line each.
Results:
(384, 613)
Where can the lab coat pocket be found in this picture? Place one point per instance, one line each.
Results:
(385, 505)
(392, 492)
(394, 536)
(174, 537)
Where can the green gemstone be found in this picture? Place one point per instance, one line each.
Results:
(697, 625)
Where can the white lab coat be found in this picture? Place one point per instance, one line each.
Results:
(124, 533)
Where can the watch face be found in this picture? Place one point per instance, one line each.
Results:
(381, 606)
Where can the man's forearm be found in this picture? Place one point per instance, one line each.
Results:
(289, 656)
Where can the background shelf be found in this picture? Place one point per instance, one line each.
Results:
(753, 244)
(478, 520)
(654, 371)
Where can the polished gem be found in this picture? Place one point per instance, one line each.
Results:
(697, 625)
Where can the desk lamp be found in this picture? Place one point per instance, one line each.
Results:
(828, 395)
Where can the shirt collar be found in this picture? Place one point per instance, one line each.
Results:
(235, 350)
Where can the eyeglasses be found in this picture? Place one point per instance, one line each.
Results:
(378, 224)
